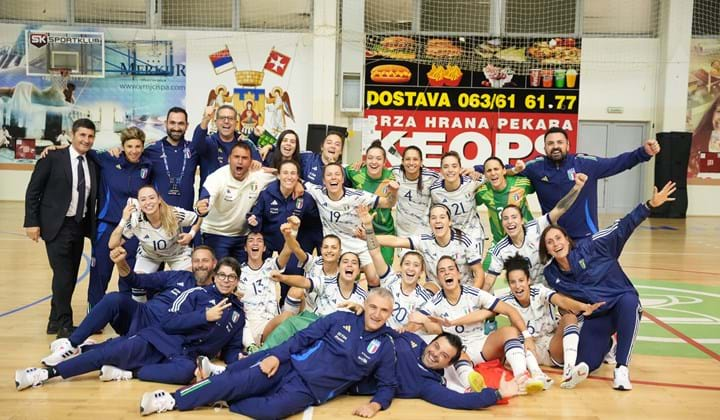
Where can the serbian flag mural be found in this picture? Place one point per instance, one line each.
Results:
(222, 61)
(277, 62)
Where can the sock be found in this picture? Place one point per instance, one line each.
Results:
(532, 364)
(571, 337)
(515, 355)
(52, 372)
(291, 305)
(463, 369)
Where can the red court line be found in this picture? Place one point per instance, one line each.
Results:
(653, 383)
(683, 336)
(672, 269)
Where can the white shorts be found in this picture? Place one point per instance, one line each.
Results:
(473, 348)
(144, 264)
(256, 327)
(542, 350)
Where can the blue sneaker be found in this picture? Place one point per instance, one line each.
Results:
(490, 325)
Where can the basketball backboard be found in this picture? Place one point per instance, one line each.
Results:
(83, 53)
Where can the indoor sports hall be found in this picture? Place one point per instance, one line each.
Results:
(479, 77)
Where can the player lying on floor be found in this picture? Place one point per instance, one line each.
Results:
(315, 365)
(456, 308)
(420, 374)
(128, 316)
(204, 321)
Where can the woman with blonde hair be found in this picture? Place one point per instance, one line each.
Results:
(158, 227)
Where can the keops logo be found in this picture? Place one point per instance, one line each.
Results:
(38, 39)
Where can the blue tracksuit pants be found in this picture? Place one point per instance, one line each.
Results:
(102, 266)
(116, 309)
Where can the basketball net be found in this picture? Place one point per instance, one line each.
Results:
(59, 78)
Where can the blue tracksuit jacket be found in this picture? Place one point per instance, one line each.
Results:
(186, 331)
(595, 273)
(119, 180)
(175, 156)
(335, 352)
(214, 152)
(169, 285)
(552, 181)
(417, 381)
(272, 210)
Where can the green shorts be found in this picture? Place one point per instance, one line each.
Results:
(288, 328)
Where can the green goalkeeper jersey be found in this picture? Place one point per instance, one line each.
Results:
(515, 192)
(382, 218)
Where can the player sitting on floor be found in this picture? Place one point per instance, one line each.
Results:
(554, 341)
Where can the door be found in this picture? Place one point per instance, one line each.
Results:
(620, 193)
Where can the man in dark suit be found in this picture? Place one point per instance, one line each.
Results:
(60, 205)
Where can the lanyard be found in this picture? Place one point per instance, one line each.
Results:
(167, 168)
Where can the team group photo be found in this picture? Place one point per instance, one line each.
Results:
(337, 209)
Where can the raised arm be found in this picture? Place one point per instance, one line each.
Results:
(292, 280)
(389, 201)
(289, 231)
(116, 237)
(605, 167)
(393, 241)
(566, 202)
(381, 266)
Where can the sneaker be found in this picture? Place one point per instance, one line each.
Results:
(112, 373)
(477, 381)
(621, 379)
(63, 351)
(578, 374)
(546, 380)
(30, 377)
(490, 326)
(610, 356)
(207, 368)
(59, 342)
(532, 386)
(156, 402)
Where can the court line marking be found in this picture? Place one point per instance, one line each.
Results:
(652, 383)
(683, 337)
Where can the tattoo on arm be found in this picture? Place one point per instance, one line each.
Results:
(567, 201)
(371, 239)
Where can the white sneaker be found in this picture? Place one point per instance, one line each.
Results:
(532, 386)
(610, 356)
(621, 379)
(112, 373)
(59, 342)
(546, 380)
(208, 368)
(156, 402)
(578, 374)
(63, 351)
(25, 378)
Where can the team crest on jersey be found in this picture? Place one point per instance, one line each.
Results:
(299, 203)
(516, 197)
(143, 173)
(373, 347)
(571, 174)
(235, 317)
(253, 187)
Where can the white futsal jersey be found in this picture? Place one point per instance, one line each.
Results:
(504, 250)
(541, 316)
(156, 243)
(461, 202)
(471, 299)
(464, 250)
(404, 304)
(340, 217)
(325, 296)
(413, 205)
(261, 294)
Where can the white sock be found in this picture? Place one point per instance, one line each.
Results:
(571, 337)
(291, 305)
(532, 364)
(515, 355)
(463, 369)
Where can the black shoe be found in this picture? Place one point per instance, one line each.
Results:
(65, 332)
(52, 328)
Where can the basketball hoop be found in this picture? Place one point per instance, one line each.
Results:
(59, 77)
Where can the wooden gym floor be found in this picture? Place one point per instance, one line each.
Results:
(675, 369)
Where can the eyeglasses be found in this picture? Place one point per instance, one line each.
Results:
(228, 277)
(219, 118)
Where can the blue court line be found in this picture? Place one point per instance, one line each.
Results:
(41, 300)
